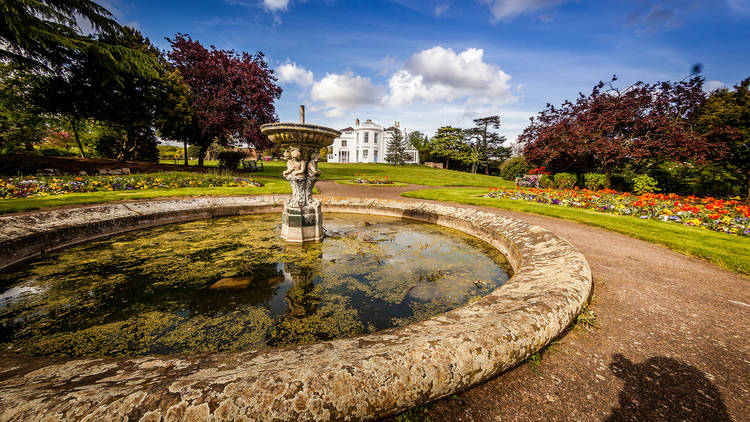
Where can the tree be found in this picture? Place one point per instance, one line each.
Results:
(44, 35)
(421, 143)
(22, 123)
(395, 152)
(488, 144)
(725, 119)
(641, 125)
(232, 95)
(449, 143)
(128, 103)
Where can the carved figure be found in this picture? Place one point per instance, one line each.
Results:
(295, 166)
(312, 166)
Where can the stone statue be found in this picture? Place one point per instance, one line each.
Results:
(295, 173)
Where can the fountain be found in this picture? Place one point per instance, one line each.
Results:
(302, 220)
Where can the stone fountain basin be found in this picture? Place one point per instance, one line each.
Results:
(299, 134)
(351, 379)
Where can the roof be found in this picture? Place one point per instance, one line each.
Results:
(346, 129)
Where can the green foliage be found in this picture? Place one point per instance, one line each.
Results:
(709, 179)
(595, 181)
(230, 159)
(644, 184)
(396, 151)
(44, 35)
(565, 180)
(449, 144)
(725, 117)
(586, 319)
(513, 167)
(546, 181)
(22, 123)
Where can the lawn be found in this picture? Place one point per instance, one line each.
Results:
(728, 251)
(414, 174)
(17, 205)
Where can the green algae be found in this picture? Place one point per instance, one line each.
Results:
(148, 291)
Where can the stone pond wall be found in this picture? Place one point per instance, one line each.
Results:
(348, 379)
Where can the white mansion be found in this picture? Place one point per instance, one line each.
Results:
(367, 143)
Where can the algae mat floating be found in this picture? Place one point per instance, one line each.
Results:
(231, 284)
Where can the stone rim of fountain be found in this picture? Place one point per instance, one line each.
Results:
(359, 378)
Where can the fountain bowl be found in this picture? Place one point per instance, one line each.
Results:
(299, 134)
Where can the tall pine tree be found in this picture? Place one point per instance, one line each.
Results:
(396, 151)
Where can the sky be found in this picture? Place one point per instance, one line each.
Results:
(432, 63)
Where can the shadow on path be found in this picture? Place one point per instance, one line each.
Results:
(665, 389)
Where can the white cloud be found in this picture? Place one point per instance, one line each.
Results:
(742, 6)
(440, 9)
(507, 9)
(341, 91)
(276, 5)
(713, 86)
(439, 74)
(290, 72)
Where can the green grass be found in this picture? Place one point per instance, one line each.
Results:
(384, 185)
(207, 163)
(414, 174)
(728, 251)
(27, 204)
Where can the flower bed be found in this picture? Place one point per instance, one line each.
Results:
(36, 186)
(728, 216)
(362, 179)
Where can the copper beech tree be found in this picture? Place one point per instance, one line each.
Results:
(231, 95)
(610, 128)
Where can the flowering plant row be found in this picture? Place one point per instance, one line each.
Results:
(27, 187)
(728, 216)
(362, 179)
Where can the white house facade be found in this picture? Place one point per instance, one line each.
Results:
(367, 143)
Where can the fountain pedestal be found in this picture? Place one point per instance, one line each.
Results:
(302, 219)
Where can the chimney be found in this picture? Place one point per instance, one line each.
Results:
(356, 122)
(302, 114)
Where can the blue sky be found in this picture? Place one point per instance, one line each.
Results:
(428, 63)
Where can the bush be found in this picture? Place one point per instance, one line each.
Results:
(230, 159)
(565, 180)
(595, 181)
(546, 181)
(57, 152)
(512, 167)
(644, 184)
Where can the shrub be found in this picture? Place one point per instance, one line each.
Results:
(230, 159)
(595, 181)
(546, 181)
(512, 167)
(565, 180)
(643, 183)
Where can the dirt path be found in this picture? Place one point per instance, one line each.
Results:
(672, 343)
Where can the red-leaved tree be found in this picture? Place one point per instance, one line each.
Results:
(641, 124)
(232, 94)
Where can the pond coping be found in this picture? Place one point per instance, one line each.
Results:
(357, 378)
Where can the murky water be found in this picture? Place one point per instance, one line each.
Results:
(232, 284)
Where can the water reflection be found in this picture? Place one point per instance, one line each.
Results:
(231, 284)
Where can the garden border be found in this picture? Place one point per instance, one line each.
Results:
(356, 378)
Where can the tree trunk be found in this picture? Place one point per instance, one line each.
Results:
(447, 161)
(184, 144)
(202, 154)
(473, 168)
(74, 126)
(608, 181)
(487, 169)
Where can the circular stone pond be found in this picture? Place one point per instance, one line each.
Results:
(366, 376)
(231, 283)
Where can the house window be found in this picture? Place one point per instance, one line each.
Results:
(343, 142)
(364, 152)
(367, 136)
(375, 138)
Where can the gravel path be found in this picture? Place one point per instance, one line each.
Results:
(672, 340)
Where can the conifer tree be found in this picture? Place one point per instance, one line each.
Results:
(396, 151)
